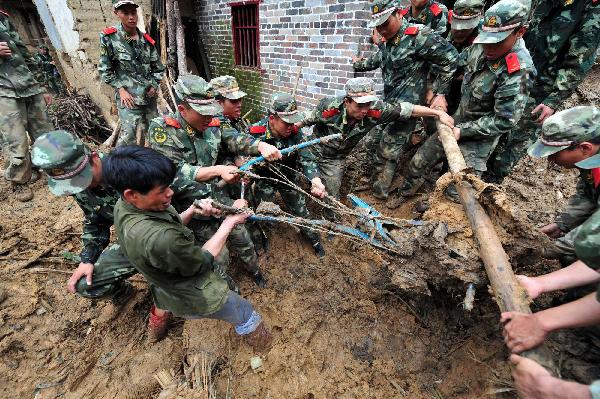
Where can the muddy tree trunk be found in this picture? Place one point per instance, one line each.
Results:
(509, 294)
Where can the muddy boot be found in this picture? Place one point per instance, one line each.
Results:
(363, 184)
(422, 206)
(381, 187)
(408, 190)
(22, 192)
(315, 241)
(260, 339)
(123, 295)
(259, 279)
(452, 195)
(158, 326)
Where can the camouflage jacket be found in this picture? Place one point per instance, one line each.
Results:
(225, 156)
(433, 15)
(20, 74)
(405, 61)
(181, 273)
(494, 93)
(304, 156)
(584, 203)
(563, 39)
(132, 64)
(330, 117)
(190, 149)
(97, 205)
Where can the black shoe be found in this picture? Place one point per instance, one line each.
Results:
(319, 250)
(259, 279)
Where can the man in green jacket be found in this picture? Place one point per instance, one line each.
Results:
(153, 236)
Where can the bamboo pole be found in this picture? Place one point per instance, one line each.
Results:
(509, 294)
(181, 58)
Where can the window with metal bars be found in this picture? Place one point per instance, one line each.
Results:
(245, 24)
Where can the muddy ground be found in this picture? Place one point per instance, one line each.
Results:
(360, 323)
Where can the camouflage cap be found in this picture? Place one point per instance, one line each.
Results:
(284, 106)
(227, 86)
(121, 3)
(587, 242)
(466, 14)
(500, 20)
(566, 128)
(361, 90)
(199, 94)
(65, 159)
(381, 11)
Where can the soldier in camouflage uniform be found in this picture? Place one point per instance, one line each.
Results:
(563, 40)
(73, 169)
(571, 139)
(494, 92)
(354, 115)
(51, 75)
(405, 60)
(192, 138)
(278, 129)
(429, 13)
(22, 107)
(130, 63)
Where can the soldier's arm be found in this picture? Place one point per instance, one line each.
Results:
(510, 99)
(443, 58)
(157, 68)
(368, 64)
(579, 209)
(96, 233)
(239, 143)
(30, 60)
(106, 66)
(315, 116)
(393, 112)
(579, 58)
(442, 23)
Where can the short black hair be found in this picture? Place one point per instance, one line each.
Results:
(137, 168)
(595, 140)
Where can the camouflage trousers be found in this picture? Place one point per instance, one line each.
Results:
(110, 272)
(131, 118)
(18, 117)
(513, 146)
(395, 139)
(475, 152)
(293, 200)
(331, 171)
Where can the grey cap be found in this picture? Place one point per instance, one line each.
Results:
(361, 90)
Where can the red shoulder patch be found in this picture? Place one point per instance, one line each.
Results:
(374, 113)
(295, 130)
(109, 31)
(512, 62)
(330, 113)
(214, 123)
(172, 122)
(404, 11)
(596, 177)
(4, 13)
(150, 40)
(450, 14)
(258, 129)
(435, 9)
(411, 30)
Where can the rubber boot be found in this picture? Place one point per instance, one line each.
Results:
(22, 192)
(381, 187)
(260, 339)
(123, 295)
(409, 189)
(259, 279)
(158, 326)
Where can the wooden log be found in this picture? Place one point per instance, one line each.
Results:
(509, 294)
(172, 37)
(110, 141)
(181, 58)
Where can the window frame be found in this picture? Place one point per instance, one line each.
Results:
(235, 33)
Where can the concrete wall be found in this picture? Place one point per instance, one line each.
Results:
(320, 35)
